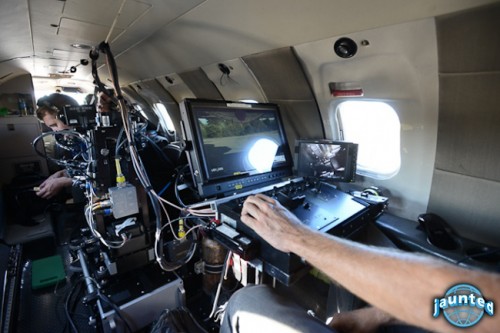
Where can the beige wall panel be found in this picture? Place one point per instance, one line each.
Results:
(200, 84)
(469, 42)
(469, 205)
(469, 125)
(296, 117)
(280, 75)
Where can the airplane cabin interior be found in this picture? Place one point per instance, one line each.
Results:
(373, 121)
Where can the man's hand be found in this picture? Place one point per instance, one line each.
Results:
(273, 222)
(52, 186)
(58, 174)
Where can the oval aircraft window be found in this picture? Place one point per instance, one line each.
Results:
(164, 118)
(375, 127)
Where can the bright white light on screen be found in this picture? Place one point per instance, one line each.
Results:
(261, 155)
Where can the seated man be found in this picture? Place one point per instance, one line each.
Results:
(48, 111)
(398, 284)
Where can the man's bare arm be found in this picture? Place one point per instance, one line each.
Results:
(402, 284)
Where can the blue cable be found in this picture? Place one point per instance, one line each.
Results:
(164, 188)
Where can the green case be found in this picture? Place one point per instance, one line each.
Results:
(47, 272)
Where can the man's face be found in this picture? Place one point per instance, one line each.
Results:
(54, 123)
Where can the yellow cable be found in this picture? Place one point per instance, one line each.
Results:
(181, 233)
(120, 178)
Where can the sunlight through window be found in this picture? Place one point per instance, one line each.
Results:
(164, 118)
(375, 127)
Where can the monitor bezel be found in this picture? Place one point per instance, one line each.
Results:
(222, 186)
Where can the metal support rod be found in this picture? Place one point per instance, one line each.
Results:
(85, 270)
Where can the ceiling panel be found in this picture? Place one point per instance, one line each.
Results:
(58, 24)
(85, 31)
(104, 12)
(15, 34)
(157, 37)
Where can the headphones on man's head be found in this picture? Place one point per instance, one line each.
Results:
(44, 101)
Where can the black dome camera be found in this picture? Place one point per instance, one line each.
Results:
(345, 47)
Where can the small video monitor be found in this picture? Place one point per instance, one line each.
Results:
(328, 160)
(81, 117)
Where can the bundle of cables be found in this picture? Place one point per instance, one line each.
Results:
(130, 144)
(75, 156)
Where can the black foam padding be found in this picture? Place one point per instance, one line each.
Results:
(44, 310)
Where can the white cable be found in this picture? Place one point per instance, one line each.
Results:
(144, 180)
(89, 217)
(223, 274)
(115, 21)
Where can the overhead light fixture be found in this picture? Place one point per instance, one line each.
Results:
(60, 76)
(81, 46)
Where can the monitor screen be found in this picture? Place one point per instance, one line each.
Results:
(330, 160)
(234, 144)
(81, 117)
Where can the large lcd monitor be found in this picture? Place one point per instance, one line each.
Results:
(234, 146)
(327, 160)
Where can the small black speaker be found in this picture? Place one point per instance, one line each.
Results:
(345, 47)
